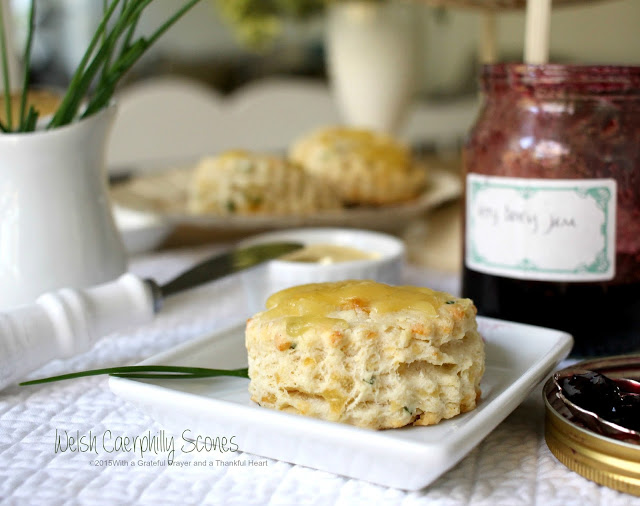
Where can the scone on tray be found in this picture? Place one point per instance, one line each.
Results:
(366, 354)
(363, 167)
(244, 183)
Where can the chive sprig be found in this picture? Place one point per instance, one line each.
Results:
(112, 51)
(147, 372)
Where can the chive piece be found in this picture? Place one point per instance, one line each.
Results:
(127, 40)
(131, 54)
(450, 302)
(147, 371)
(27, 65)
(371, 380)
(75, 91)
(31, 120)
(5, 70)
(85, 77)
(292, 346)
(107, 86)
(98, 56)
(407, 410)
(107, 60)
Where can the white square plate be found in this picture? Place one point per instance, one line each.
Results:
(518, 358)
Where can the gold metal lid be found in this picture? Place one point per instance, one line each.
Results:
(604, 460)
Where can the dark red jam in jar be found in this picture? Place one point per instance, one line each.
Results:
(552, 221)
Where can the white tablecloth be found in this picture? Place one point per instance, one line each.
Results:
(512, 466)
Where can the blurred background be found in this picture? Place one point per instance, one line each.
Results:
(204, 46)
(446, 47)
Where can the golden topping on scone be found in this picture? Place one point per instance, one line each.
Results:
(364, 167)
(375, 149)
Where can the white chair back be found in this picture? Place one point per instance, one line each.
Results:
(164, 120)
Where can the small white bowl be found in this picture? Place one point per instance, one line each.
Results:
(277, 275)
(141, 232)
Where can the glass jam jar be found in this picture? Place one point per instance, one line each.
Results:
(552, 193)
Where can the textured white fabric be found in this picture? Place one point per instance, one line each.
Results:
(512, 466)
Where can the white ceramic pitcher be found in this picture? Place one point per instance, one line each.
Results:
(56, 226)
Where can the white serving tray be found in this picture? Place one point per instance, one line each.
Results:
(162, 196)
(518, 358)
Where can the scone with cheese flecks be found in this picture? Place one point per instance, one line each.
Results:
(244, 183)
(363, 167)
(366, 354)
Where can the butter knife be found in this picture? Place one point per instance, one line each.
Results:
(67, 322)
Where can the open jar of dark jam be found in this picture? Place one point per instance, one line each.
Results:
(552, 222)
(591, 420)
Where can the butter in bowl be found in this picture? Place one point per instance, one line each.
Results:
(330, 254)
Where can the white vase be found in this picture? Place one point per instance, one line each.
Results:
(371, 61)
(56, 226)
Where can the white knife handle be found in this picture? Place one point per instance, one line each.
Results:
(68, 322)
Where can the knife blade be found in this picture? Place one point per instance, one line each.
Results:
(227, 263)
(67, 322)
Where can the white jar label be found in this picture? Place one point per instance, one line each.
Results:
(542, 229)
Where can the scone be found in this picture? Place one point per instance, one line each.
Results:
(239, 182)
(363, 167)
(366, 354)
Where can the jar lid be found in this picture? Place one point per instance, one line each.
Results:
(601, 458)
